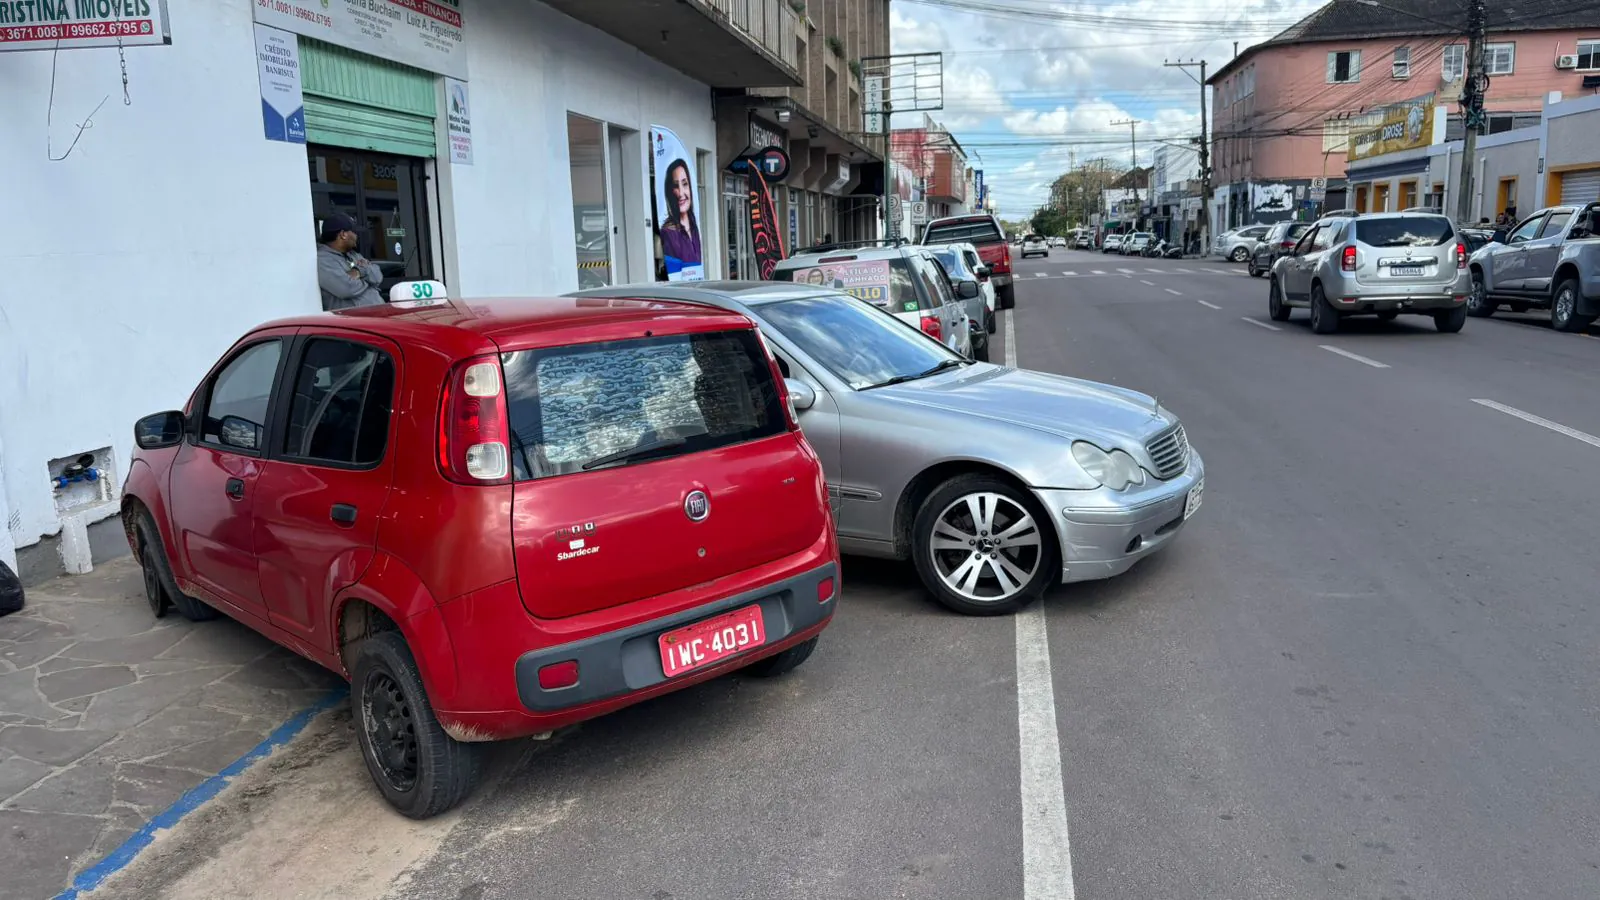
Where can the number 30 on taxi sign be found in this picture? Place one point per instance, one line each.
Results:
(417, 293)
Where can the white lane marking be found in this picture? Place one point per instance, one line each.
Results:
(1040, 275)
(1174, 293)
(1355, 356)
(1069, 273)
(1204, 303)
(1126, 271)
(1542, 422)
(1260, 324)
(1151, 283)
(1185, 271)
(1157, 271)
(1046, 843)
(1098, 271)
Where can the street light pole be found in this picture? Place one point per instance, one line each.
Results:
(1133, 134)
(1476, 83)
(1205, 153)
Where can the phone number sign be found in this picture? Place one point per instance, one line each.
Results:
(66, 24)
(425, 34)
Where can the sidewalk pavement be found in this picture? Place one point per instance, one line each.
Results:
(108, 716)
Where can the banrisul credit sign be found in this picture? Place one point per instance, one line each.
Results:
(64, 24)
(427, 34)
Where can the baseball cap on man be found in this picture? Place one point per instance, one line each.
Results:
(335, 225)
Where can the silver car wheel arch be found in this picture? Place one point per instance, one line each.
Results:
(983, 551)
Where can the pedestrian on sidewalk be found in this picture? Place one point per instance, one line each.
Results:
(347, 278)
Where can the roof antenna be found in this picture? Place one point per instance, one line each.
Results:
(1236, 48)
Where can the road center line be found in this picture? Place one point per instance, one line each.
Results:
(1259, 323)
(1046, 844)
(1204, 303)
(1174, 293)
(1355, 356)
(1540, 421)
(1151, 283)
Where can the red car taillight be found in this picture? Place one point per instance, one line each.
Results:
(1286, 245)
(1005, 258)
(1349, 261)
(474, 437)
(1461, 255)
(932, 328)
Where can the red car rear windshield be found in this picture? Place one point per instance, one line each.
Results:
(963, 231)
(594, 406)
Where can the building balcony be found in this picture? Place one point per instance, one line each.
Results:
(724, 43)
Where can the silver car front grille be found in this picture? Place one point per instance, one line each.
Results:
(1170, 453)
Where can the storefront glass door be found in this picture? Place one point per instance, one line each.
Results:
(591, 216)
(387, 196)
(736, 219)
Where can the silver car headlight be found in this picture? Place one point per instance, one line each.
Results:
(1115, 470)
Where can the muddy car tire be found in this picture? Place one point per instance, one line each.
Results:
(1323, 318)
(420, 770)
(1479, 306)
(152, 556)
(1564, 308)
(784, 662)
(1007, 296)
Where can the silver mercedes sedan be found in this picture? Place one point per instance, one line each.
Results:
(996, 482)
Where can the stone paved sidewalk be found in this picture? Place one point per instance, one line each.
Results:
(108, 716)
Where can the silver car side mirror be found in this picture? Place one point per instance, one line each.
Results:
(801, 395)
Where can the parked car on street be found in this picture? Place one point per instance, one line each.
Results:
(1034, 245)
(905, 281)
(1550, 260)
(1084, 241)
(1278, 240)
(1136, 243)
(1059, 242)
(1385, 264)
(961, 263)
(1112, 243)
(495, 518)
(1236, 245)
(995, 482)
(984, 232)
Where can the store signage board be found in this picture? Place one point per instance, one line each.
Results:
(283, 107)
(458, 111)
(427, 34)
(132, 23)
(1406, 125)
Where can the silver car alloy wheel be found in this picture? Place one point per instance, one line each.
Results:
(1479, 296)
(985, 547)
(1566, 304)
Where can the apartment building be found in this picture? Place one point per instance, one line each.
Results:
(1285, 109)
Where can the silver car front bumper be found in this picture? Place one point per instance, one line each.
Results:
(1104, 532)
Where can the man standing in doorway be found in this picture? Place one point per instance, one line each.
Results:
(347, 279)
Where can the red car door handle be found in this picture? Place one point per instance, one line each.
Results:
(236, 488)
(343, 514)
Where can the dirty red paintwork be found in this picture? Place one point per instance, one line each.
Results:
(441, 559)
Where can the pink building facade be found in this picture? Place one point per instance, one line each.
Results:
(1284, 110)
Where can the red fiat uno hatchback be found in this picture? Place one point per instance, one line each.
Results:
(495, 519)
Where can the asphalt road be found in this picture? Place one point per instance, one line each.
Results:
(1367, 668)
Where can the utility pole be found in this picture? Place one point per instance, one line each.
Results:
(1205, 151)
(1476, 83)
(1133, 133)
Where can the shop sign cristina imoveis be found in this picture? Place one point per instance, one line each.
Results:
(66, 24)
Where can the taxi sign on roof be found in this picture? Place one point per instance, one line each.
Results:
(416, 294)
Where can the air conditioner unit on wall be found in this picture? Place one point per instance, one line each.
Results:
(1567, 61)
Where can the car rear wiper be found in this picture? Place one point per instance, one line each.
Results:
(633, 453)
(902, 379)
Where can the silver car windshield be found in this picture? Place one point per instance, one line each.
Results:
(857, 343)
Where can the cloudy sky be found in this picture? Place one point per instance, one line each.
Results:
(1031, 86)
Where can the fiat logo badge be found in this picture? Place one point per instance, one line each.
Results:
(697, 506)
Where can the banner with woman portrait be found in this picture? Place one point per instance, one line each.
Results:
(677, 220)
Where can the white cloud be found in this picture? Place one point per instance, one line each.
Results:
(1029, 97)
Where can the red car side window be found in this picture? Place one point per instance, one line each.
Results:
(238, 397)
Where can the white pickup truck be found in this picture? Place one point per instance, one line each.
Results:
(1550, 260)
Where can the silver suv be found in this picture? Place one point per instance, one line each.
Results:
(1384, 264)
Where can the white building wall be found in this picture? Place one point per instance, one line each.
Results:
(134, 262)
(174, 226)
(529, 66)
